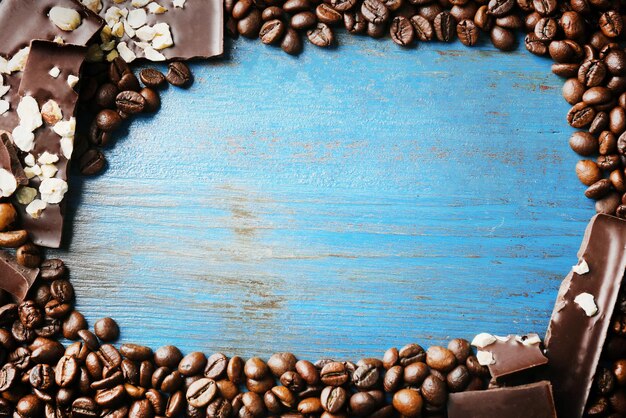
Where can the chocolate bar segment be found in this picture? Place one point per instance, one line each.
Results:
(66, 21)
(9, 160)
(583, 312)
(162, 29)
(534, 400)
(15, 278)
(48, 88)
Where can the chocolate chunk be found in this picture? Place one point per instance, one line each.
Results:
(196, 29)
(576, 333)
(9, 159)
(46, 159)
(25, 20)
(534, 400)
(515, 358)
(16, 279)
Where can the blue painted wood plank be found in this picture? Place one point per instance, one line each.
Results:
(335, 204)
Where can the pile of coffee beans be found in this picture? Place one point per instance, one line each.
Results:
(112, 93)
(91, 377)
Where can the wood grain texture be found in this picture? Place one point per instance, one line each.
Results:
(335, 204)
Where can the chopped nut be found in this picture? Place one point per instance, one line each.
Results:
(113, 15)
(48, 158)
(145, 33)
(35, 208)
(18, 61)
(4, 107)
(8, 183)
(65, 18)
(93, 5)
(156, 8)
(118, 30)
(108, 46)
(58, 40)
(72, 80)
(137, 18)
(65, 128)
(4, 90)
(163, 36)
(51, 112)
(179, 3)
(112, 55)
(23, 138)
(4, 63)
(125, 52)
(581, 268)
(52, 190)
(48, 170)
(485, 358)
(587, 303)
(153, 55)
(54, 72)
(128, 29)
(67, 147)
(530, 339)
(29, 160)
(25, 195)
(32, 171)
(139, 3)
(483, 340)
(29, 114)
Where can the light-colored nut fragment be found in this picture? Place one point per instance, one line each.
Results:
(114, 15)
(485, 358)
(48, 170)
(125, 53)
(65, 128)
(179, 3)
(65, 18)
(145, 33)
(23, 138)
(128, 30)
(581, 268)
(8, 183)
(483, 340)
(163, 36)
(137, 18)
(52, 190)
(529, 339)
(54, 72)
(4, 107)
(48, 158)
(72, 80)
(67, 147)
(139, 3)
(118, 30)
(4, 65)
(58, 40)
(33, 171)
(4, 90)
(112, 55)
(29, 114)
(29, 160)
(153, 55)
(51, 112)
(156, 9)
(93, 5)
(108, 46)
(35, 208)
(587, 303)
(18, 61)
(25, 195)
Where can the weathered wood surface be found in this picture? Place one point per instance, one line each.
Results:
(335, 204)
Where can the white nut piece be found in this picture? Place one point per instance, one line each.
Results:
(137, 18)
(179, 3)
(72, 80)
(125, 53)
(18, 61)
(65, 128)
(35, 208)
(51, 112)
(587, 303)
(54, 72)
(52, 190)
(65, 18)
(29, 160)
(156, 9)
(29, 114)
(485, 358)
(4, 107)
(48, 158)
(8, 183)
(529, 339)
(483, 340)
(581, 268)
(25, 195)
(93, 5)
(153, 55)
(145, 33)
(67, 147)
(4, 63)
(23, 138)
(33, 171)
(48, 170)
(139, 3)
(4, 90)
(163, 37)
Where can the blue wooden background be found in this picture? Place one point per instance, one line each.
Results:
(335, 204)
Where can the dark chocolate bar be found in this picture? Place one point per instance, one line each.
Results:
(534, 400)
(9, 160)
(583, 311)
(46, 141)
(15, 278)
(162, 29)
(66, 21)
(513, 359)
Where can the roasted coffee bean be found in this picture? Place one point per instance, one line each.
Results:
(573, 91)
(483, 19)
(423, 28)
(333, 399)
(307, 371)
(130, 102)
(13, 239)
(467, 32)
(271, 13)
(303, 20)
(342, 6)
(355, 23)
(500, 7)
(128, 82)
(580, 115)
(415, 373)
(434, 391)
(255, 368)
(599, 123)
(291, 43)
(151, 98)
(118, 69)
(168, 356)
(607, 143)
(8, 377)
(193, 364)
(334, 374)
(108, 120)
(28, 255)
(260, 386)
(8, 313)
(321, 36)
(545, 7)
(466, 11)
(219, 408)
(234, 370)
(564, 51)
(30, 315)
(475, 368)
(50, 328)
(538, 47)
(362, 404)
(179, 74)
(30, 406)
(151, 77)
(608, 162)
(201, 393)
(66, 372)
(272, 31)
(105, 96)
(565, 70)
(141, 409)
(618, 180)
(99, 137)
(583, 143)
(401, 31)
(458, 379)
(296, 6)
(241, 9)
(365, 377)
(573, 25)
(327, 14)
(445, 27)
(106, 329)
(411, 353)
(280, 363)
(110, 398)
(546, 29)
(74, 322)
(21, 334)
(393, 378)
(461, 349)
(136, 352)
(92, 162)
(375, 11)
(89, 339)
(503, 39)
(588, 172)
(611, 23)
(62, 290)
(250, 25)
(591, 73)
(512, 22)
(408, 402)
(110, 356)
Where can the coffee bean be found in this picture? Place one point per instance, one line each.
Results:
(327, 14)
(573, 25)
(74, 322)
(141, 409)
(591, 73)
(97, 136)
(136, 352)
(401, 31)
(106, 329)
(512, 22)
(66, 371)
(333, 399)
(107, 120)
(445, 27)
(365, 377)
(565, 51)
(291, 43)
(408, 403)
(250, 25)
(500, 7)
(611, 23)
(546, 29)
(355, 23)
(434, 391)
(118, 69)
(130, 102)
(423, 29)
(608, 162)
(272, 31)
(201, 393)
(271, 13)
(28, 255)
(334, 374)
(234, 370)
(415, 373)
(483, 19)
(503, 39)
(580, 115)
(321, 36)
(30, 406)
(192, 364)
(178, 73)
(110, 356)
(8, 377)
(458, 379)
(362, 404)
(588, 172)
(565, 70)
(307, 371)
(151, 98)
(280, 363)
(105, 96)
(475, 368)
(303, 20)
(461, 349)
(92, 162)
(607, 143)
(467, 32)
(599, 189)
(618, 180)
(411, 353)
(151, 77)
(583, 143)
(62, 290)
(376, 31)
(296, 6)
(168, 356)
(342, 6)
(219, 408)
(374, 11)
